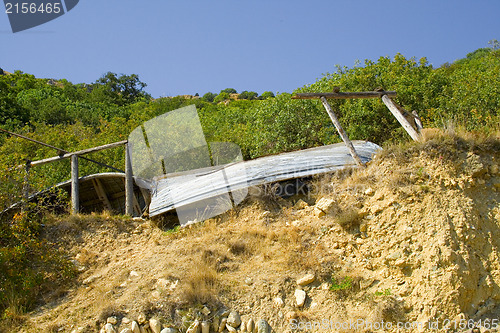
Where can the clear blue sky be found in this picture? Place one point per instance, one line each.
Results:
(196, 46)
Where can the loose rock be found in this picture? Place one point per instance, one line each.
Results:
(230, 328)
(263, 326)
(109, 328)
(205, 327)
(168, 330)
(194, 328)
(300, 297)
(154, 325)
(222, 325)
(126, 330)
(305, 280)
(250, 326)
(111, 320)
(234, 319)
(135, 327)
(141, 318)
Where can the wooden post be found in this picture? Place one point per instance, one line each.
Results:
(341, 131)
(26, 191)
(129, 184)
(75, 191)
(418, 121)
(393, 107)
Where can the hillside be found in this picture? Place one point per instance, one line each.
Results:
(411, 239)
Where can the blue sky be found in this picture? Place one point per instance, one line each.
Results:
(196, 46)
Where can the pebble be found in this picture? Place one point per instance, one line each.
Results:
(305, 280)
(111, 320)
(109, 328)
(194, 328)
(141, 318)
(215, 324)
(234, 319)
(278, 301)
(243, 326)
(222, 325)
(250, 325)
(155, 325)
(248, 281)
(230, 328)
(135, 327)
(300, 297)
(125, 320)
(168, 330)
(263, 326)
(205, 311)
(126, 330)
(205, 327)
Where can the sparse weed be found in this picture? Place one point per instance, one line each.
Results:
(385, 292)
(344, 285)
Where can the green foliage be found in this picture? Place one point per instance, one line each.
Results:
(209, 97)
(385, 292)
(221, 97)
(229, 91)
(344, 285)
(248, 95)
(266, 95)
(28, 265)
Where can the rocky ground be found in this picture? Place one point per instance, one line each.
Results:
(411, 243)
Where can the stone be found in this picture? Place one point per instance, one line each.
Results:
(141, 318)
(305, 280)
(111, 320)
(109, 328)
(278, 301)
(205, 327)
(363, 227)
(248, 281)
(230, 328)
(126, 330)
(126, 320)
(206, 311)
(300, 204)
(234, 319)
(154, 325)
(134, 274)
(222, 325)
(168, 330)
(243, 326)
(300, 297)
(326, 205)
(318, 212)
(369, 191)
(194, 328)
(291, 315)
(135, 327)
(215, 324)
(250, 325)
(263, 326)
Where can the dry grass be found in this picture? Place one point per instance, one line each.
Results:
(201, 285)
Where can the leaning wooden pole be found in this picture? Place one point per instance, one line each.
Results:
(393, 107)
(341, 131)
(75, 190)
(129, 184)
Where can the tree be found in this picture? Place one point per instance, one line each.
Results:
(248, 95)
(209, 97)
(266, 95)
(121, 90)
(221, 97)
(229, 91)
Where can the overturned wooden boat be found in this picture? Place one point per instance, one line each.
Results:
(203, 193)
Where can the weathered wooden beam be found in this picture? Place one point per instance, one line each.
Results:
(341, 131)
(129, 184)
(345, 95)
(80, 152)
(101, 193)
(395, 110)
(75, 190)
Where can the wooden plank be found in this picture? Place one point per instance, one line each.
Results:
(345, 95)
(75, 191)
(80, 152)
(101, 193)
(341, 131)
(395, 110)
(181, 191)
(418, 121)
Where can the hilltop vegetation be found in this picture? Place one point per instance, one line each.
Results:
(77, 116)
